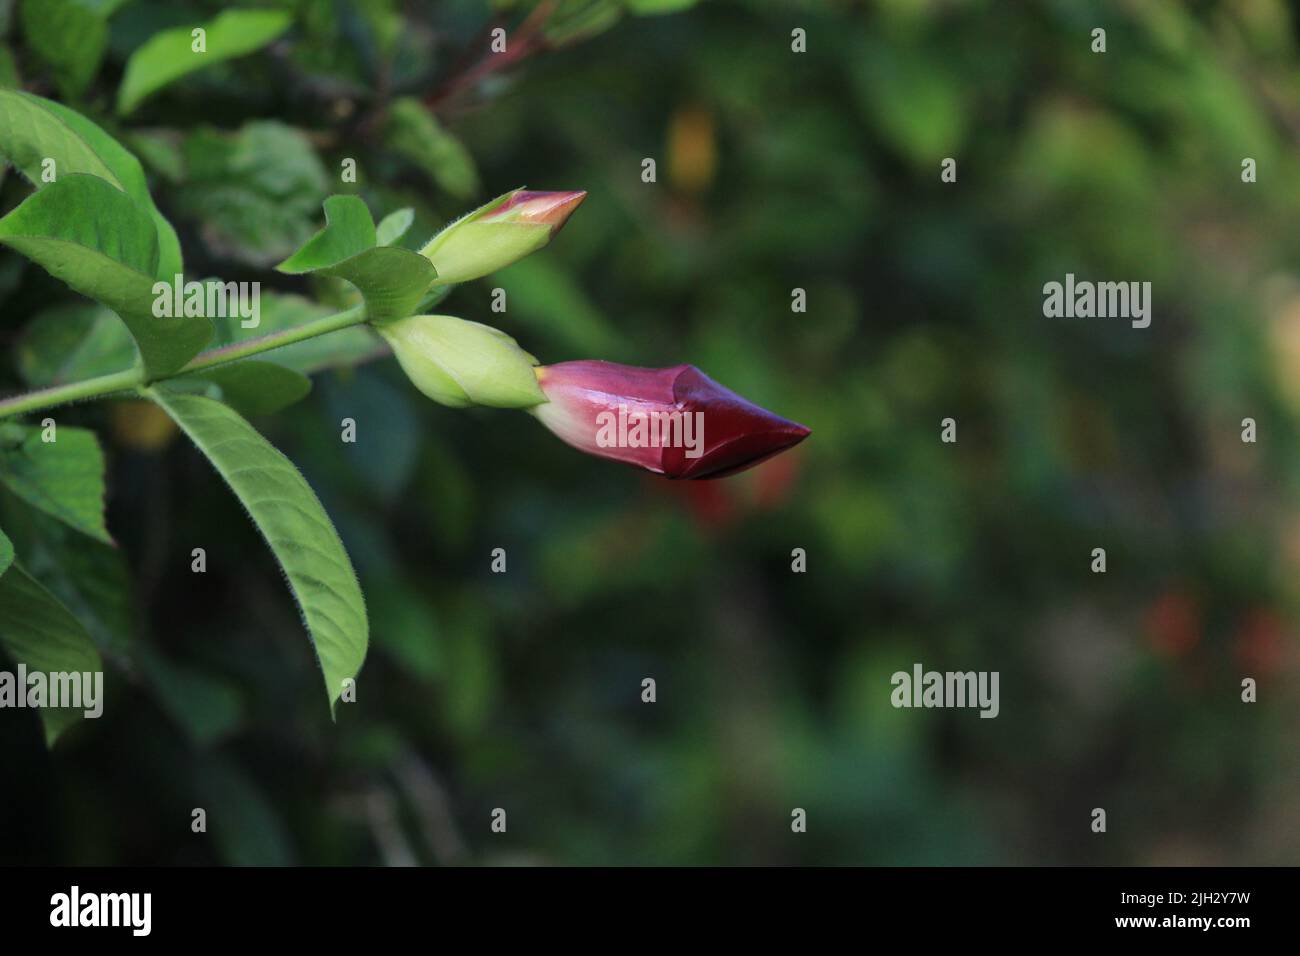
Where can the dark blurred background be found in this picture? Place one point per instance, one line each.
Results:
(776, 170)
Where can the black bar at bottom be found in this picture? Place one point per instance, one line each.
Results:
(335, 906)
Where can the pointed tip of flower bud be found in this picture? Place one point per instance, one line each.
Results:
(674, 421)
(543, 208)
(499, 233)
(750, 434)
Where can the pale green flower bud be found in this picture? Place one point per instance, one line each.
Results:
(499, 233)
(458, 363)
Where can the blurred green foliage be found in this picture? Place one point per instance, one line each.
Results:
(776, 170)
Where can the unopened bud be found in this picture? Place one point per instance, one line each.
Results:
(675, 421)
(499, 233)
(458, 363)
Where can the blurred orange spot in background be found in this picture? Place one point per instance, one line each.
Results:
(141, 426)
(692, 149)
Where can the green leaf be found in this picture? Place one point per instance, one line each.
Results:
(391, 279)
(406, 628)
(252, 387)
(246, 829)
(290, 517)
(73, 341)
(70, 36)
(6, 553)
(170, 55)
(386, 460)
(34, 129)
(96, 239)
(394, 226)
(31, 131)
(160, 150)
(644, 8)
(88, 213)
(349, 230)
(207, 708)
(414, 134)
(63, 478)
(256, 193)
(91, 579)
(129, 174)
(575, 20)
(39, 632)
(917, 102)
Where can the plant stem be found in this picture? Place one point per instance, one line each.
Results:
(134, 378)
(265, 343)
(73, 391)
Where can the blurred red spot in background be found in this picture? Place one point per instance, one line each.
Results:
(1259, 642)
(1173, 623)
(718, 504)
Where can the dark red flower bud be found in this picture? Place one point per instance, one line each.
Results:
(675, 421)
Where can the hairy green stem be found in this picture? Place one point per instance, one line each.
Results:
(72, 392)
(134, 378)
(265, 343)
